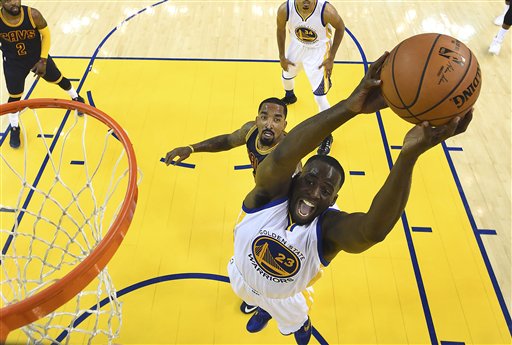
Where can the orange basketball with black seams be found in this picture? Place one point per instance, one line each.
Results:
(431, 77)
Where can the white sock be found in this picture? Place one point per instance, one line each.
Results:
(505, 10)
(72, 93)
(14, 119)
(288, 84)
(322, 102)
(501, 34)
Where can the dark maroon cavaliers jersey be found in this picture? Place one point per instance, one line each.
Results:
(22, 41)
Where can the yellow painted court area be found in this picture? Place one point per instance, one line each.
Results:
(427, 282)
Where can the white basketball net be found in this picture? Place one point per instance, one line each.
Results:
(72, 207)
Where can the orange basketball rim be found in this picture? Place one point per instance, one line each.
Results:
(46, 301)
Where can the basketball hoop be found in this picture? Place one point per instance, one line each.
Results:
(41, 270)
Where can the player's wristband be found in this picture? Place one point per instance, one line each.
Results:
(192, 148)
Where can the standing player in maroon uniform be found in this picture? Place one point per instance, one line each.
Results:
(25, 43)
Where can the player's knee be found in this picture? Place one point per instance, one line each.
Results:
(65, 84)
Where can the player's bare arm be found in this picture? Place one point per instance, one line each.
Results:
(357, 232)
(39, 68)
(332, 17)
(39, 20)
(223, 142)
(281, 36)
(273, 176)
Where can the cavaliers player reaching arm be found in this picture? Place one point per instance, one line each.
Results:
(261, 136)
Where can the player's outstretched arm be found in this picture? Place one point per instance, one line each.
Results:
(273, 176)
(357, 232)
(223, 142)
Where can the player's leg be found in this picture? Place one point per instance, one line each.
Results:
(249, 304)
(53, 75)
(318, 78)
(495, 46)
(288, 77)
(15, 74)
(320, 85)
(499, 19)
(291, 315)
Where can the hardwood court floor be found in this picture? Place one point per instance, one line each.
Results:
(429, 282)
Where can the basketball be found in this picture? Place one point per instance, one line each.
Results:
(431, 77)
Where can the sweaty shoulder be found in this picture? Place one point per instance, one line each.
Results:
(282, 12)
(38, 18)
(330, 14)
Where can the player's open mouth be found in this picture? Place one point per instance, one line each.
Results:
(267, 134)
(305, 208)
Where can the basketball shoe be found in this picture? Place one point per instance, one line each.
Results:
(325, 146)
(81, 100)
(14, 139)
(258, 321)
(303, 335)
(495, 46)
(289, 98)
(247, 308)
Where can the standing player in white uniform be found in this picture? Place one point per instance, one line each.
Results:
(287, 231)
(310, 27)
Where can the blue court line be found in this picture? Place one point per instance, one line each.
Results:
(357, 173)
(74, 79)
(45, 135)
(157, 280)
(444, 342)
(241, 167)
(410, 244)
(77, 162)
(396, 147)
(6, 209)
(91, 102)
(183, 165)
(479, 241)
(486, 232)
(421, 229)
(454, 148)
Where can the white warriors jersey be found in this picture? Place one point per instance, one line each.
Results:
(310, 31)
(275, 258)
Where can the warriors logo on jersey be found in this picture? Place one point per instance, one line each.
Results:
(305, 34)
(274, 258)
